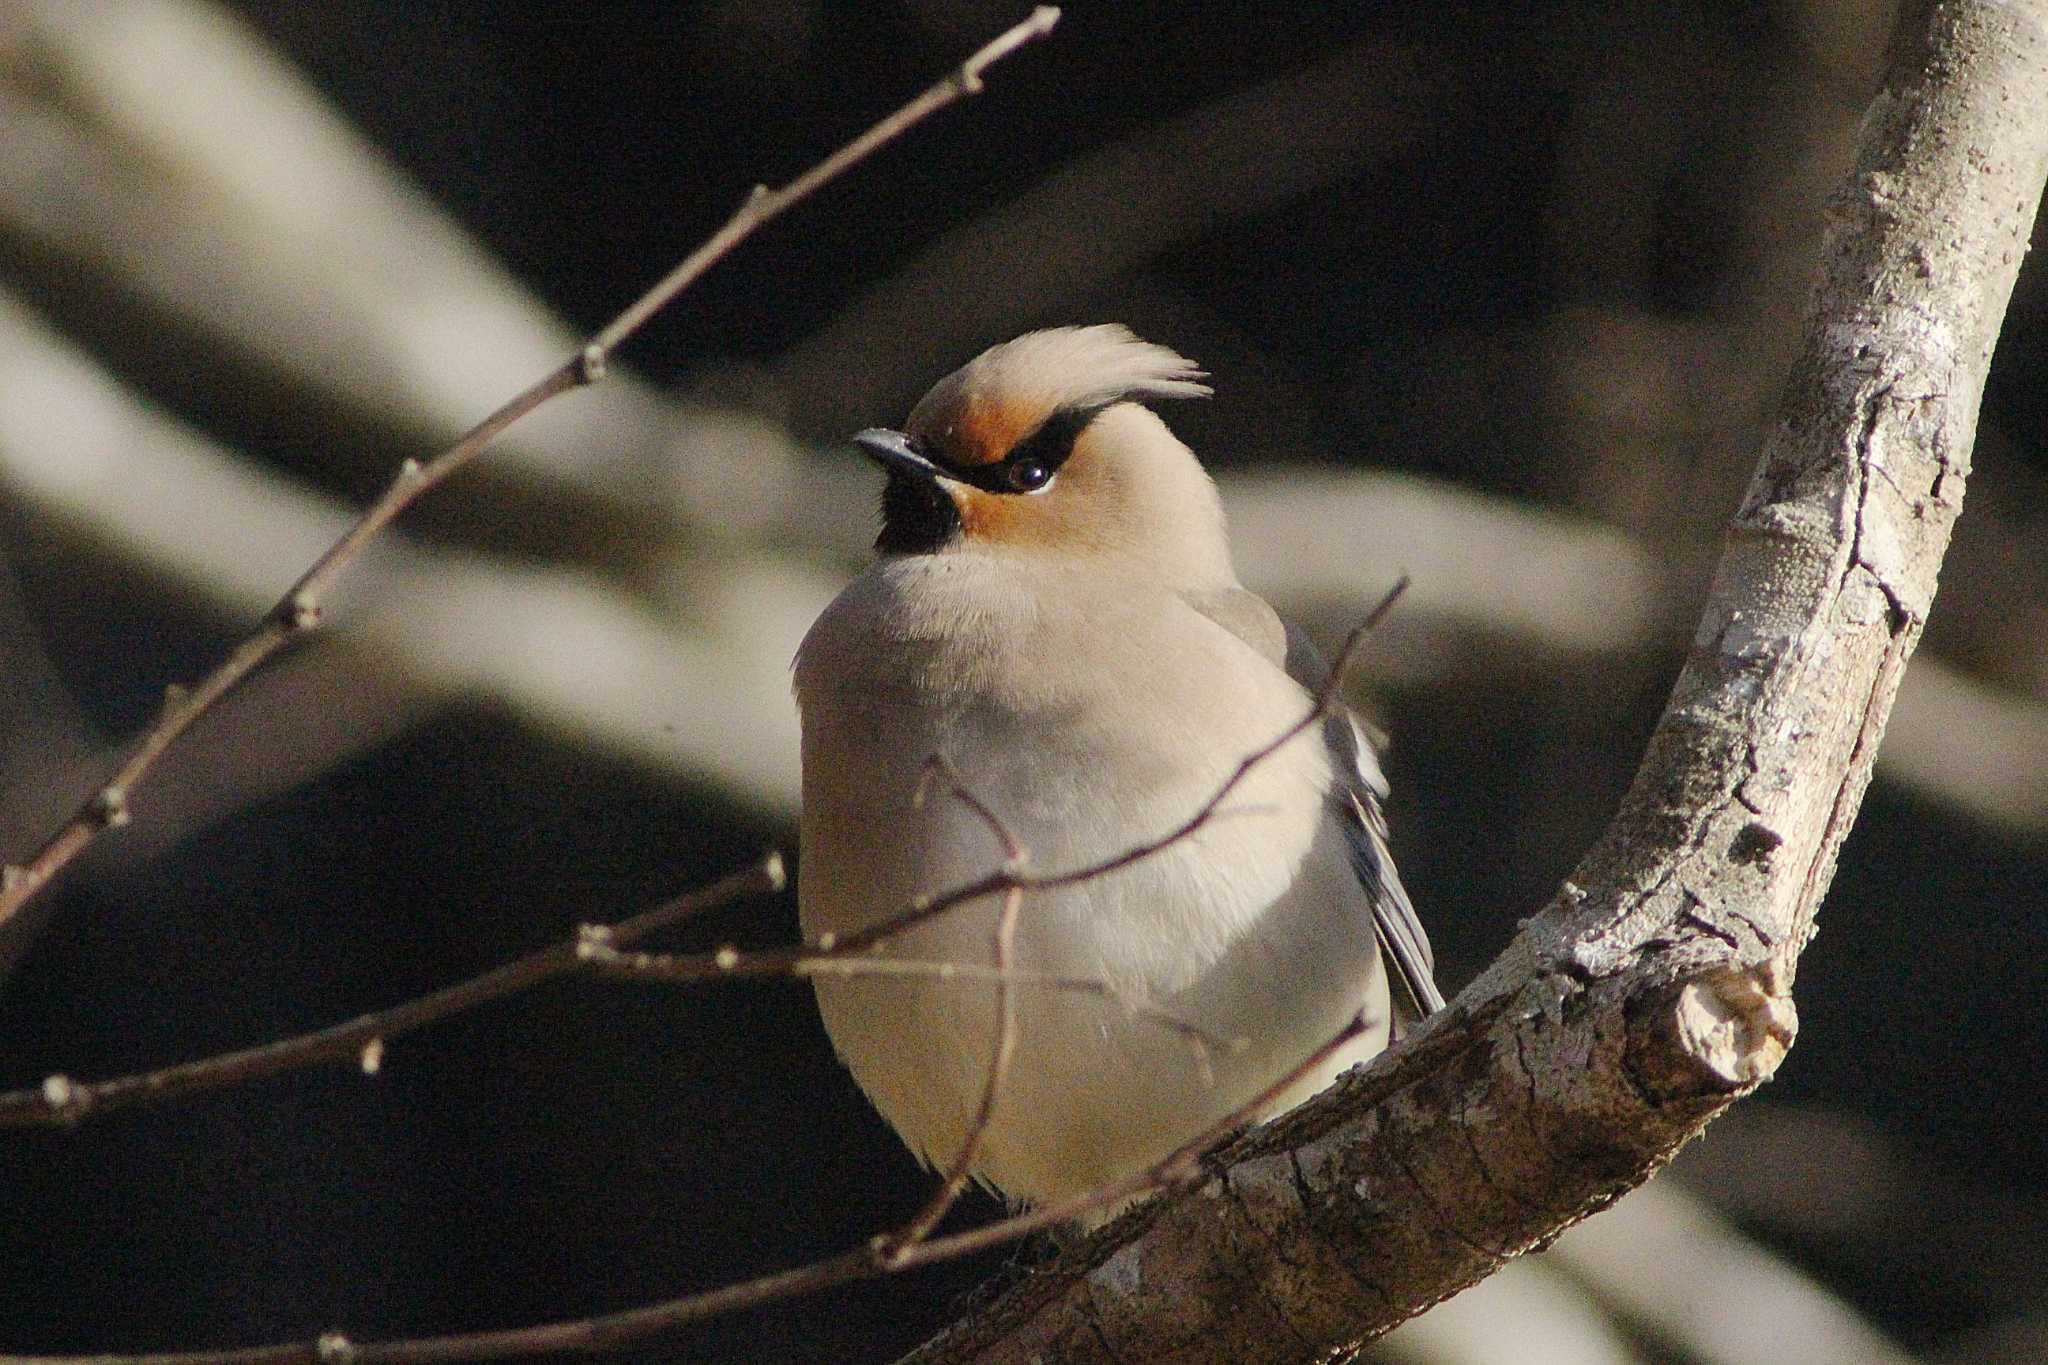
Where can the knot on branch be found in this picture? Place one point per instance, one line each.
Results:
(66, 1098)
(1724, 1031)
(301, 610)
(110, 806)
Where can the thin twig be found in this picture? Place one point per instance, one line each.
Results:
(597, 949)
(729, 962)
(925, 908)
(299, 610)
(890, 1248)
(1178, 1167)
(59, 1099)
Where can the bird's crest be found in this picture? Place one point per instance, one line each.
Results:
(978, 412)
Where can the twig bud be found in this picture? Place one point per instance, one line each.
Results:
(303, 610)
(110, 806)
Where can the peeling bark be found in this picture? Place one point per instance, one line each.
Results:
(1655, 989)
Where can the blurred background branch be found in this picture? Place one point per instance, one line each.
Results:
(1494, 299)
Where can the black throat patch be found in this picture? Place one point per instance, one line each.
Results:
(918, 517)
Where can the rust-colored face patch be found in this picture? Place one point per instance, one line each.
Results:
(987, 429)
(993, 518)
(1056, 517)
(1001, 463)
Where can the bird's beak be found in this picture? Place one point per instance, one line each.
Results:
(892, 451)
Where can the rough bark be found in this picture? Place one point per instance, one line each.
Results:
(1654, 990)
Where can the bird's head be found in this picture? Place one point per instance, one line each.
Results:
(1040, 445)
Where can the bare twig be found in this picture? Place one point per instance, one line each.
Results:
(890, 1249)
(59, 1099)
(925, 908)
(910, 1246)
(62, 1100)
(1181, 1166)
(299, 610)
(729, 962)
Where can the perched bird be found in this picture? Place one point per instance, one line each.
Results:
(1054, 616)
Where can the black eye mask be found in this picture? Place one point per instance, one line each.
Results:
(918, 517)
(1033, 461)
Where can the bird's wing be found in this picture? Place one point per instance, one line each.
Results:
(1361, 789)
(1393, 914)
(1246, 615)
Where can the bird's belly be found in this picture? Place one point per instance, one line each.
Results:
(1187, 981)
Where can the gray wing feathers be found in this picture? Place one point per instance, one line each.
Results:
(1363, 786)
(1393, 914)
(1246, 615)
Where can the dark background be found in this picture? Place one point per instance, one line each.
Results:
(1564, 263)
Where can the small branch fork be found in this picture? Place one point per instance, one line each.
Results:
(598, 948)
(1182, 1166)
(59, 1099)
(890, 1248)
(299, 610)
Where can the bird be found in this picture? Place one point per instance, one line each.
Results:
(1053, 617)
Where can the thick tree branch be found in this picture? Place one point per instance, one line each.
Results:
(1654, 990)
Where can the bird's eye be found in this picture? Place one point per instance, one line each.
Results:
(1029, 476)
